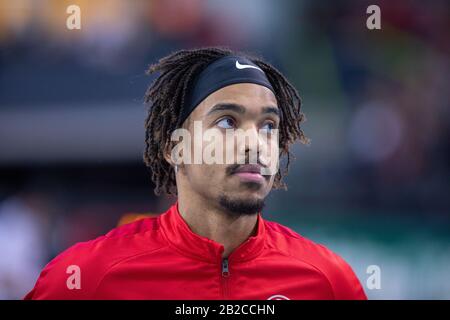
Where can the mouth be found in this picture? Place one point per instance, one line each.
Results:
(249, 173)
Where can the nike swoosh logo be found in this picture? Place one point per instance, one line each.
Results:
(245, 66)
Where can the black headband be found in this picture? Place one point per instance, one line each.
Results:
(221, 73)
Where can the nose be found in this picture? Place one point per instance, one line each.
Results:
(249, 145)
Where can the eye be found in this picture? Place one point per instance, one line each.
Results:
(268, 126)
(226, 123)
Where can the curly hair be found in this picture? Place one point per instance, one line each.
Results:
(166, 96)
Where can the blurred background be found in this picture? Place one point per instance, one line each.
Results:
(374, 185)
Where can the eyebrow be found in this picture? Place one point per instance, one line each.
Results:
(240, 109)
(272, 110)
(227, 107)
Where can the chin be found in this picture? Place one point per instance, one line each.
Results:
(240, 205)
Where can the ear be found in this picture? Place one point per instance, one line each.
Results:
(168, 154)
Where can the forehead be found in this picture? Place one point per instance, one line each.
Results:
(251, 96)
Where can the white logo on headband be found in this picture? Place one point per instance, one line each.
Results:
(245, 66)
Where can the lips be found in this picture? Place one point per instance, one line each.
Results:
(249, 173)
(248, 168)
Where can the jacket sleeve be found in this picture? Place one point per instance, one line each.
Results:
(71, 275)
(344, 282)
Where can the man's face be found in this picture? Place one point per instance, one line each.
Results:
(251, 109)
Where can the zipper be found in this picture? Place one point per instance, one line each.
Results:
(225, 270)
(225, 276)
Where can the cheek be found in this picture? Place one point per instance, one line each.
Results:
(269, 152)
(204, 174)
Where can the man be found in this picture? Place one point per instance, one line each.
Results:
(213, 243)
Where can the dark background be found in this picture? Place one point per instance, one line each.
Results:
(374, 185)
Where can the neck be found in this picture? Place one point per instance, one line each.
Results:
(213, 222)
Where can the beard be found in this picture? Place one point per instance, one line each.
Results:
(238, 207)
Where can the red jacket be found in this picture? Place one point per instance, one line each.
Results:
(161, 258)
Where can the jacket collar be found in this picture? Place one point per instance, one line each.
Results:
(191, 244)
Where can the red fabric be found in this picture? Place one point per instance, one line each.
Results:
(161, 258)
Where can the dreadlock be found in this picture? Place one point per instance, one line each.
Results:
(167, 95)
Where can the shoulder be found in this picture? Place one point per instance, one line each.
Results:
(335, 270)
(76, 272)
